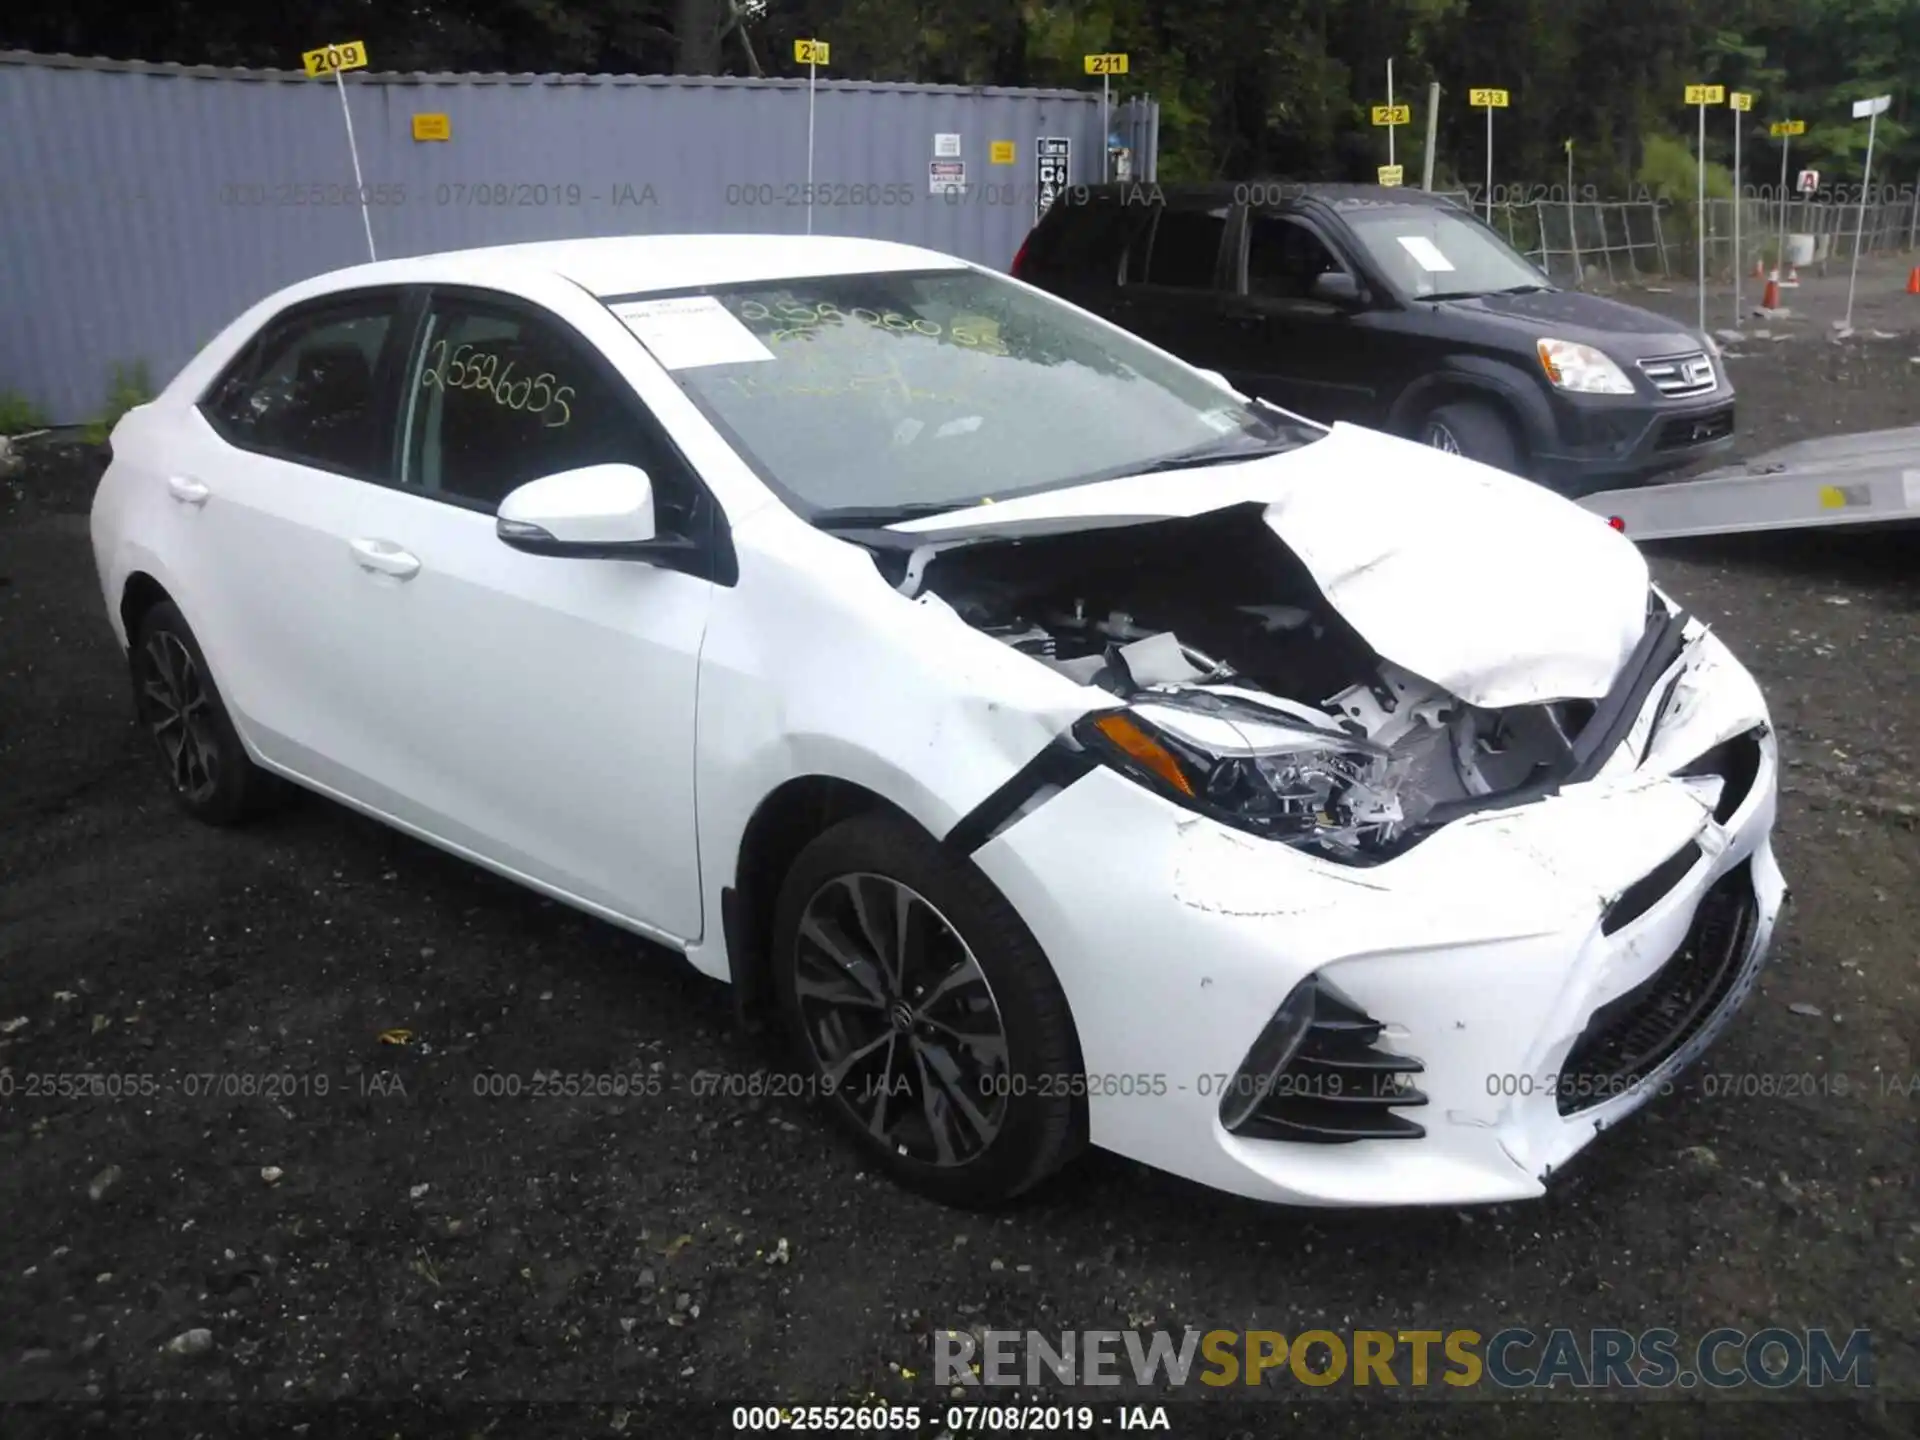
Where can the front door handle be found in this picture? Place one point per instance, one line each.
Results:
(383, 557)
(187, 492)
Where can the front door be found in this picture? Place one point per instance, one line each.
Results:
(536, 710)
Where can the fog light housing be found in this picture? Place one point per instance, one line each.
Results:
(1259, 1074)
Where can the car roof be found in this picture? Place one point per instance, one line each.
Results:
(1337, 194)
(645, 264)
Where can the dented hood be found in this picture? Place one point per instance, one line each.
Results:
(1485, 584)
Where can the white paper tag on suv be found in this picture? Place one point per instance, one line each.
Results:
(1424, 251)
(689, 331)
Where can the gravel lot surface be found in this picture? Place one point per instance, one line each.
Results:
(403, 1237)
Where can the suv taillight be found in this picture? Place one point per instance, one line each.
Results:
(1020, 257)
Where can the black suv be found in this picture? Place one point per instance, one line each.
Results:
(1394, 309)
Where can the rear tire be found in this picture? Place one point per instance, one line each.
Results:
(1476, 430)
(206, 767)
(914, 994)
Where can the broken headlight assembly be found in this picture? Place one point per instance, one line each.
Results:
(1270, 775)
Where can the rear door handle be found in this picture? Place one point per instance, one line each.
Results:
(187, 492)
(383, 557)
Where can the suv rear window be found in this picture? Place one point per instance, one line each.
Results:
(1186, 248)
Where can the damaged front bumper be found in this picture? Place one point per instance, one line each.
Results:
(1548, 966)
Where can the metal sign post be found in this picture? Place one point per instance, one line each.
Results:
(812, 54)
(1490, 101)
(336, 60)
(1784, 131)
(1392, 116)
(1870, 111)
(1106, 66)
(1740, 102)
(1703, 96)
(1573, 228)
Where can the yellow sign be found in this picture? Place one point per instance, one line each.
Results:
(1392, 174)
(1487, 99)
(352, 55)
(1706, 94)
(1787, 127)
(1000, 152)
(810, 52)
(1392, 114)
(1106, 64)
(432, 127)
(1740, 100)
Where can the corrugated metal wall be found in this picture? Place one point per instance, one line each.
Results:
(143, 206)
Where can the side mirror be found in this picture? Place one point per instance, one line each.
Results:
(598, 511)
(1337, 287)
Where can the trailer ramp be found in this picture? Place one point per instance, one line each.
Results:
(1869, 479)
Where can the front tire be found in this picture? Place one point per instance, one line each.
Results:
(1476, 430)
(206, 767)
(915, 994)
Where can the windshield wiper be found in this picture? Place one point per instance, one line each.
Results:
(1528, 289)
(1211, 454)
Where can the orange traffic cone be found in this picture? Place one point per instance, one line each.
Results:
(1913, 281)
(1771, 300)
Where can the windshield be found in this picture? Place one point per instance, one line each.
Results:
(1429, 251)
(881, 395)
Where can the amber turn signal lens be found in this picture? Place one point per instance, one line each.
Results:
(1143, 747)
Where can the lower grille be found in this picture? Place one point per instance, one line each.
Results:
(1628, 1038)
(1337, 1086)
(1678, 433)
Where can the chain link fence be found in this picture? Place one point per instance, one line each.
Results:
(1621, 241)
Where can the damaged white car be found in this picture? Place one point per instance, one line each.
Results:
(1071, 750)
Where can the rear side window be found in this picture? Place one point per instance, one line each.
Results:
(1186, 248)
(304, 389)
(1085, 242)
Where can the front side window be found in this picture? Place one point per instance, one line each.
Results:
(304, 389)
(1433, 251)
(499, 397)
(936, 389)
(1285, 257)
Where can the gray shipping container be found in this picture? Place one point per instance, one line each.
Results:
(143, 206)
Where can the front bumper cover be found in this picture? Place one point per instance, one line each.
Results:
(1486, 951)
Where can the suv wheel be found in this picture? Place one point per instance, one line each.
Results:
(1476, 430)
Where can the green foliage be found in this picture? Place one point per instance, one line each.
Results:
(1669, 171)
(19, 414)
(130, 387)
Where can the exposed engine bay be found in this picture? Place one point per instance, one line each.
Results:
(1279, 717)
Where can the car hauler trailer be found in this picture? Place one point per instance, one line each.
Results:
(1870, 479)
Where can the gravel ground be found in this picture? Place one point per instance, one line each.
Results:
(401, 1237)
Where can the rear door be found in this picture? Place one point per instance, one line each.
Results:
(1173, 292)
(268, 474)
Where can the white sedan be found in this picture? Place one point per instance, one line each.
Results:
(1071, 749)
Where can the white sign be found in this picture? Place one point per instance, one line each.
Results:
(947, 177)
(1809, 181)
(690, 331)
(947, 147)
(1052, 160)
(1876, 106)
(1425, 252)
